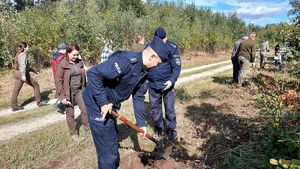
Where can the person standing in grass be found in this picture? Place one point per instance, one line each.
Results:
(246, 56)
(70, 80)
(263, 53)
(139, 44)
(161, 82)
(235, 60)
(138, 96)
(22, 75)
(106, 52)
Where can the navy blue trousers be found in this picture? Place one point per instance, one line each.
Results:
(104, 134)
(168, 97)
(138, 99)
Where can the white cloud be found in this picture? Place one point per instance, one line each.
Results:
(252, 11)
(260, 9)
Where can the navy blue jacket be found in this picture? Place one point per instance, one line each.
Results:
(55, 55)
(114, 80)
(169, 70)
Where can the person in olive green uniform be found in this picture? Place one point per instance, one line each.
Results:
(70, 81)
(139, 44)
(22, 76)
(246, 56)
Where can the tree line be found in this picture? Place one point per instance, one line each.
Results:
(92, 23)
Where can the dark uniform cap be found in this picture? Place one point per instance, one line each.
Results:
(62, 45)
(160, 32)
(160, 48)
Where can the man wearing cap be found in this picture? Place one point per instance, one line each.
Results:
(246, 56)
(235, 59)
(109, 84)
(161, 80)
(57, 56)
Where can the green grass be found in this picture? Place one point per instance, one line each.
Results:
(202, 105)
(29, 114)
(38, 148)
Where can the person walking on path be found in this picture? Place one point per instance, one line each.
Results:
(21, 76)
(161, 81)
(70, 81)
(246, 56)
(235, 60)
(109, 84)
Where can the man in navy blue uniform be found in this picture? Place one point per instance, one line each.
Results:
(110, 83)
(161, 80)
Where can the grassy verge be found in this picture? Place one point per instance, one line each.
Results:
(211, 118)
(40, 147)
(30, 114)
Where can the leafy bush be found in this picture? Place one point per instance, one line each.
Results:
(279, 136)
(93, 23)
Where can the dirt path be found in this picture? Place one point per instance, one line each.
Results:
(33, 105)
(11, 130)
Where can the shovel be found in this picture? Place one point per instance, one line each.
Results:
(139, 130)
(162, 149)
(135, 127)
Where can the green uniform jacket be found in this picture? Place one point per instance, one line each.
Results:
(247, 49)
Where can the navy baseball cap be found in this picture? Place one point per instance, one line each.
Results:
(160, 32)
(160, 48)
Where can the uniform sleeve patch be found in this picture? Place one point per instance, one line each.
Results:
(177, 60)
(173, 45)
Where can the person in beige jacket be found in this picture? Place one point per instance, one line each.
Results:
(22, 76)
(70, 81)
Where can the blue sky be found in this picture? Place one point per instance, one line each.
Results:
(259, 12)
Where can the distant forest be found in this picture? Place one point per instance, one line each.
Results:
(44, 24)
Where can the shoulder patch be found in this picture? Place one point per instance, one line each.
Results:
(173, 45)
(133, 60)
(178, 62)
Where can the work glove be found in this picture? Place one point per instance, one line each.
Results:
(168, 85)
(145, 130)
(66, 102)
(106, 109)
